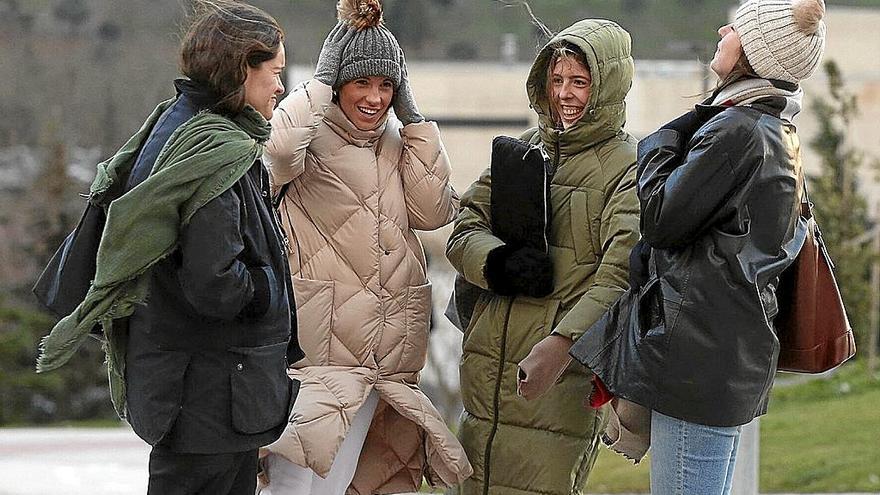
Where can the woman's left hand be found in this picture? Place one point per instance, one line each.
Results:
(543, 366)
(404, 102)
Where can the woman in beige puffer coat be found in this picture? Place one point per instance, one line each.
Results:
(356, 181)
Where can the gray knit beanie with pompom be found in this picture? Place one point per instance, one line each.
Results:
(373, 50)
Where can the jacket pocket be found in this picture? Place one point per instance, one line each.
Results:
(651, 317)
(265, 303)
(729, 244)
(584, 229)
(260, 389)
(479, 307)
(418, 322)
(314, 313)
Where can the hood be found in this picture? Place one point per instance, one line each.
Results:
(607, 47)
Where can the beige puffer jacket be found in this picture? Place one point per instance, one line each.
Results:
(363, 298)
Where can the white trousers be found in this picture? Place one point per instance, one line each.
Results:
(286, 478)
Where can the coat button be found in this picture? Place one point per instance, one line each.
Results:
(387, 252)
(239, 366)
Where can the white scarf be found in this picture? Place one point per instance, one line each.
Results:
(745, 92)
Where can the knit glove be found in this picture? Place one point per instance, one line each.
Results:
(404, 102)
(327, 69)
(543, 366)
(512, 271)
(686, 124)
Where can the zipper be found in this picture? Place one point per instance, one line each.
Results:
(548, 172)
(279, 231)
(544, 230)
(496, 402)
(276, 220)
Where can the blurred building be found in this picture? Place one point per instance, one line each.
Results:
(475, 101)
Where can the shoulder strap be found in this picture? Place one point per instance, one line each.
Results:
(806, 204)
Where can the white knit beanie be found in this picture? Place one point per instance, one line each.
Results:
(782, 39)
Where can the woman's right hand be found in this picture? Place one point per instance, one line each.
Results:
(327, 69)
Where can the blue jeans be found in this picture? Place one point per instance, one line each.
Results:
(691, 459)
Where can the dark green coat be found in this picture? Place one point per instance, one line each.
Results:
(548, 445)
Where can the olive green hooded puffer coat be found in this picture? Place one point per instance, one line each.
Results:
(547, 446)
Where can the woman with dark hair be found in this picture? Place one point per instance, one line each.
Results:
(720, 190)
(524, 426)
(192, 286)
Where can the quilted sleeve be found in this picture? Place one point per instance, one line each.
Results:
(431, 201)
(472, 238)
(294, 124)
(619, 232)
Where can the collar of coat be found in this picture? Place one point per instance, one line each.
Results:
(203, 158)
(607, 48)
(342, 125)
(781, 99)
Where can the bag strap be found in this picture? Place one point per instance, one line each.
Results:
(806, 204)
(807, 214)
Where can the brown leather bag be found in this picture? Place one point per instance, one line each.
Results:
(813, 329)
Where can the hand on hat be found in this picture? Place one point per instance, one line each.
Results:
(404, 102)
(327, 69)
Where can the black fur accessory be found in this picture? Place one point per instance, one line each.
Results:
(512, 271)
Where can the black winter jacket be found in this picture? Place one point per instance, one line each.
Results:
(207, 355)
(720, 212)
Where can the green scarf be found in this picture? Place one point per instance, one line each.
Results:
(203, 158)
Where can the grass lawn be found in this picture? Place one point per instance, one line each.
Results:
(819, 436)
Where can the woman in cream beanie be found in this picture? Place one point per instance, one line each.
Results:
(720, 191)
(782, 40)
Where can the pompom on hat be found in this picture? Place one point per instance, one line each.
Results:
(373, 50)
(782, 39)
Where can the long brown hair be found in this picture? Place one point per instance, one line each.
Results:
(224, 38)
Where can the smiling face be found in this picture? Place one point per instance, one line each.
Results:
(263, 84)
(729, 51)
(569, 89)
(365, 100)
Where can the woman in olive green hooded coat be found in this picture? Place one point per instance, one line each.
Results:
(534, 436)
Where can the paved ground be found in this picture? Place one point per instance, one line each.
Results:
(73, 461)
(81, 461)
